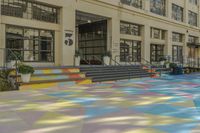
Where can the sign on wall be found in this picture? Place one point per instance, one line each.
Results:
(68, 38)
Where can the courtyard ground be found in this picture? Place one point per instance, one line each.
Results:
(166, 105)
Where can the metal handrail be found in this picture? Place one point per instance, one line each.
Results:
(85, 60)
(128, 56)
(100, 60)
(116, 58)
(115, 62)
(148, 62)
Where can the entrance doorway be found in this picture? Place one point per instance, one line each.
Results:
(92, 38)
(194, 54)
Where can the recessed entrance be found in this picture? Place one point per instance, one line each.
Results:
(91, 31)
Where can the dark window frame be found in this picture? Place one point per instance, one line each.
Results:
(177, 53)
(177, 12)
(177, 37)
(133, 52)
(30, 10)
(192, 18)
(159, 52)
(133, 3)
(158, 10)
(22, 50)
(130, 28)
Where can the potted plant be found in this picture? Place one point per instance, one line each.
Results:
(14, 58)
(162, 61)
(77, 58)
(167, 64)
(25, 72)
(106, 58)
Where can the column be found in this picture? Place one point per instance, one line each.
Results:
(114, 37)
(2, 44)
(169, 8)
(147, 5)
(185, 14)
(168, 44)
(67, 43)
(186, 50)
(146, 42)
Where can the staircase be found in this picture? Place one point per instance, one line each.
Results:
(54, 76)
(111, 73)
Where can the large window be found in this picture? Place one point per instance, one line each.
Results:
(157, 51)
(157, 34)
(30, 10)
(134, 3)
(130, 50)
(177, 53)
(177, 37)
(93, 41)
(130, 29)
(192, 18)
(193, 39)
(158, 7)
(194, 2)
(34, 45)
(177, 13)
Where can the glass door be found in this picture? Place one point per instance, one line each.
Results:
(92, 42)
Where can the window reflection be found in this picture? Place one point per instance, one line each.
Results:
(130, 50)
(134, 3)
(33, 44)
(130, 29)
(158, 7)
(177, 13)
(177, 53)
(157, 51)
(192, 18)
(30, 10)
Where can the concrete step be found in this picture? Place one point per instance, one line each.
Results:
(53, 81)
(108, 67)
(52, 76)
(118, 75)
(114, 73)
(118, 78)
(109, 73)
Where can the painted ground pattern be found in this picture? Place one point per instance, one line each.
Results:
(166, 105)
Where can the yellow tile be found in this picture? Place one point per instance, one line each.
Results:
(55, 118)
(86, 81)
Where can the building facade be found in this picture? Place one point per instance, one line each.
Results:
(49, 32)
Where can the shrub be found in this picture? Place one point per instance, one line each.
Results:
(25, 69)
(5, 82)
(173, 65)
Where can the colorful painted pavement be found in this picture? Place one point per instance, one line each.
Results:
(166, 105)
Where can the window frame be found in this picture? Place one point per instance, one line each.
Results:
(22, 50)
(191, 17)
(158, 10)
(30, 10)
(177, 56)
(134, 51)
(157, 56)
(175, 14)
(134, 3)
(130, 28)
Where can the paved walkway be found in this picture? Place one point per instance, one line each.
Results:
(168, 105)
